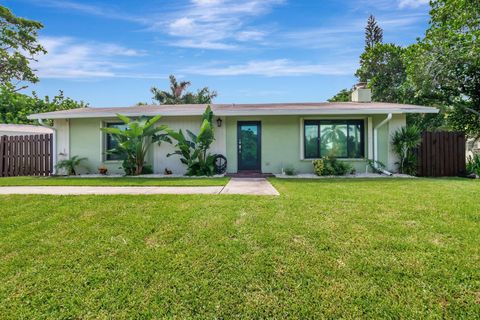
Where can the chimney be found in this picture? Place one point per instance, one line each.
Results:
(361, 93)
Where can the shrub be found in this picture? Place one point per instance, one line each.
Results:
(147, 169)
(376, 166)
(331, 167)
(473, 164)
(70, 164)
(290, 171)
(318, 167)
(404, 141)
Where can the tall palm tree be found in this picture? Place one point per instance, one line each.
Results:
(175, 94)
(178, 94)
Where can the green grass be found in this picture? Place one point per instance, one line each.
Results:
(323, 249)
(123, 181)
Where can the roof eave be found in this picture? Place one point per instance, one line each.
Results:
(221, 113)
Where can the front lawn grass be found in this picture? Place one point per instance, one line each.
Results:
(121, 181)
(323, 249)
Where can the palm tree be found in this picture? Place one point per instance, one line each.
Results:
(404, 141)
(135, 140)
(70, 164)
(175, 94)
(179, 95)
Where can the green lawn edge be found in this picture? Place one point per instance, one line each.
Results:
(120, 181)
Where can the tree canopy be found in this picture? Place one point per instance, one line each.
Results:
(15, 107)
(18, 47)
(178, 94)
(343, 96)
(444, 66)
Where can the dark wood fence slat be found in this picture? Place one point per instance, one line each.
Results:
(21, 166)
(47, 154)
(50, 154)
(27, 155)
(2, 156)
(12, 158)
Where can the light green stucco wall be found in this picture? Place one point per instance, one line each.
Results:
(280, 144)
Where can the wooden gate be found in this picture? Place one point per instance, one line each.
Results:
(29, 155)
(441, 154)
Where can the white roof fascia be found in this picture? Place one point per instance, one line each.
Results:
(259, 112)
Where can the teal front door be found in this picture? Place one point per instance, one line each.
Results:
(249, 145)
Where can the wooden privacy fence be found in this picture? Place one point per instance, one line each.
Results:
(29, 155)
(441, 154)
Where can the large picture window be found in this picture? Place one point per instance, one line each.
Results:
(112, 143)
(334, 138)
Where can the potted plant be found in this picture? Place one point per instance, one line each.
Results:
(102, 170)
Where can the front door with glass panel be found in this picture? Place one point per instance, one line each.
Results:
(249, 145)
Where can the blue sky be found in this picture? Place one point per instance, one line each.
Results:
(109, 53)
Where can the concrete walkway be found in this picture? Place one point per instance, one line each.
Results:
(251, 186)
(234, 186)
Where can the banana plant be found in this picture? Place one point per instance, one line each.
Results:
(135, 141)
(193, 150)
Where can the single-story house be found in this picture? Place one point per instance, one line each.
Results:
(22, 130)
(278, 135)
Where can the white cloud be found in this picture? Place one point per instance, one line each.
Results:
(252, 35)
(412, 3)
(207, 2)
(273, 68)
(200, 44)
(68, 58)
(215, 24)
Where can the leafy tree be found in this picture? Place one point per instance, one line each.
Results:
(18, 47)
(15, 107)
(179, 95)
(343, 96)
(373, 33)
(135, 141)
(445, 65)
(194, 151)
(383, 66)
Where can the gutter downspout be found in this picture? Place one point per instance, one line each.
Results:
(375, 144)
(54, 151)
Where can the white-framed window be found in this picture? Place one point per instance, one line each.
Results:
(333, 138)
